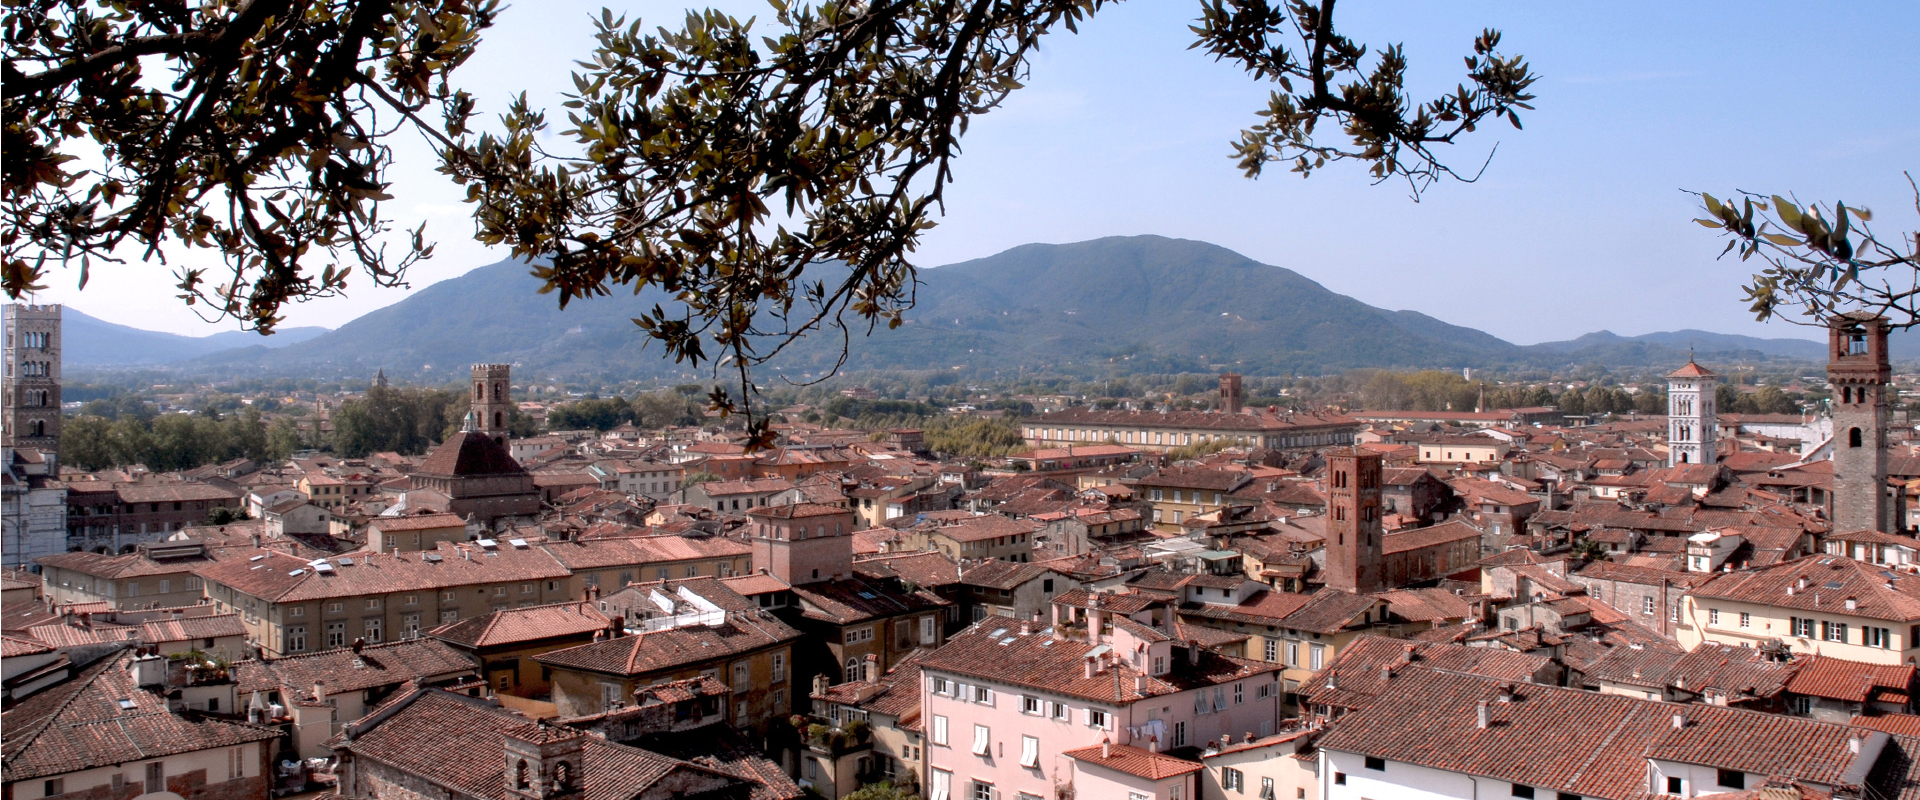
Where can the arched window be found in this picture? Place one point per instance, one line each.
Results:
(1853, 437)
(479, 391)
(561, 774)
(853, 670)
(520, 775)
(499, 419)
(1683, 458)
(499, 393)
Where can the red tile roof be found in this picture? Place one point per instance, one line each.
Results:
(1134, 761)
(470, 453)
(518, 625)
(1853, 681)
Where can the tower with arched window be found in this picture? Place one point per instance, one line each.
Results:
(31, 390)
(1690, 419)
(1858, 374)
(543, 761)
(1356, 534)
(492, 397)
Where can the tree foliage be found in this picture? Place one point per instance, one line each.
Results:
(404, 421)
(254, 128)
(973, 437)
(169, 442)
(1821, 259)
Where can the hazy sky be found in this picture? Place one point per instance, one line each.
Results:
(1579, 224)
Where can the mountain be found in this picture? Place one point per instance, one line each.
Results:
(1135, 303)
(89, 341)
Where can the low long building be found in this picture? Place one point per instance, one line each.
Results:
(1168, 430)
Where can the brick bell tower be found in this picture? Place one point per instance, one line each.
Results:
(1858, 373)
(31, 408)
(493, 400)
(1355, 561)
(1232, 397)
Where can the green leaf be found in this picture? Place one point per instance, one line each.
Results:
(1780, 239)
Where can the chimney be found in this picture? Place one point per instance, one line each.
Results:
(1386, 672)
(319, 691)
(1087, 663)
(1026, 628)
(820, 684)
(1333, 680)
(1140, 685)
(1106, 748)
(1193, 652)
(1679, 721)
(1486, 715)
(871, 669)
(1853, 744)
(149, 670)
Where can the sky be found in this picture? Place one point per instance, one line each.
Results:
(1580, 223)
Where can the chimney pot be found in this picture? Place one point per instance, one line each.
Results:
(1679, 721)
(1106, 749)
(1486, 714)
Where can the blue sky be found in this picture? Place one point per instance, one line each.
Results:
(1579, 224)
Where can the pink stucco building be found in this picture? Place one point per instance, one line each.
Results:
(1006, 704)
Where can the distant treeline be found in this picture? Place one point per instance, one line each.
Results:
(652, 410)
(169, 442)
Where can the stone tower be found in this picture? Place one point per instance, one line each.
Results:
(543, 761)
(1690, 421)
(30, 409)
(1232, 397)
(493, 400)
(1355, 561)
(802, 543)
(1858, 373)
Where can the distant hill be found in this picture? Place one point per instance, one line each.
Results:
(1135, 303)
(88, 341)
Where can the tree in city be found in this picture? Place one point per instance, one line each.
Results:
(711, 162)
(1820, 259)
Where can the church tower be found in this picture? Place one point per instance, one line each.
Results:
(1690, 422)
(1858, 373)
(1233, 398)
(1355, 536)
(30, 408)
(493, 400)
(543, 761)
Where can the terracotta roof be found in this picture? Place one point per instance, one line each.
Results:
(1902, 724)
(470, 453)
(994, 573)
(100, 719)
(1830, 581)
(518, 625)
(1853, 681)
(1196, 420)
(1040, 661)
(796, 511)
(1328, 611)
(1354, 678)
(1134, 761)
(984, 527)
(1417, 538)
(1692, 370)
(675, 648)
(172, 492)
(387, 664)
(931, 569)
(11, 646)
(277, 577)
(1739, 672)
(859, 599)
(418, 522)
(441, 737)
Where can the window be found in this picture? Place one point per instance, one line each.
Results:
(982, 740)
(1239, 693)
(609, 695)
(982, 790)
(410, 626)
(1340, 778)
(1731, 779)
(926, 630)
(858, 635)
(1522, 791)
(55, 787)
(779, 667)
(1030, 705)
(336, 634)
(157, 777)
(1180, 734)
(982, 694)
(1263, 691)
(1801, 627)
(373, 602)
(1833, 631)
(1316, 656)
(296, 639)
(1646, 604)
(1713, 616)
(1293, 654)
(1876, 637)
(1376, 764)
(1233, 780)
(335, 608)
(1029, 752)
(853, 670)
(941, 784)
(742, 677)
(449, 615)
(372, 628)
(1060, 711)
(939, 730)
(1746, 619)
(165, 586)
(1096, 718)
(298, 611)
(1273, 650)
(1676, 786)
(941, 686)
(1266, 790)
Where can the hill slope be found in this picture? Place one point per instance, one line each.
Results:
(89, 341)
(1136, 303)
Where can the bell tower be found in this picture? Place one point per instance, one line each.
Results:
(543, 761)
(1355, 532)
(1232, 397)
(1858, 373)
(30, 413)
(1691, 426)
(493, 400)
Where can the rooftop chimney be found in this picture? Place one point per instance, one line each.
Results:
(1679, 721)
(1106, 748)
(1193, 651)
(319, 691)
(1853, 744)
(149, 670)
(1486, 715)
(1088, 664)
